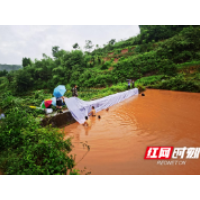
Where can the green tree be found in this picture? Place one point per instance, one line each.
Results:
(9, 77)
(76, 46)
(55, 49)
(112, 42)
(3, 73)
(24, 81)
(26, 62)
(88, 45)
(158, 32)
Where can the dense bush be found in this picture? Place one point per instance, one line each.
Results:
(3, 73)
(24, 81)
(150, 80)
(106, 65)
(27, 148)
(179, 83)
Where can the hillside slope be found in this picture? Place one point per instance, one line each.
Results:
(152, 52)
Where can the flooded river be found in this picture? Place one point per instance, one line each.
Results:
(116, 143)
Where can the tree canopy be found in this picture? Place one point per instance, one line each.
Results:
(26, 62)
(88, 45)
(75, 46)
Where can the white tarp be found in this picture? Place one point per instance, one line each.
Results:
(79, 108)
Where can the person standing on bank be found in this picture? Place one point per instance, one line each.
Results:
(133, 84)
(129, 84)
(74, 91)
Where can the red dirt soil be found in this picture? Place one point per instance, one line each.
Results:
(105, 59)
(111, 68)
(192, 71)
(124, 50)
(194, 67)
(116, 60)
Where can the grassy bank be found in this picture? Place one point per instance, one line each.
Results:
(181, 82)
(35, 98)
(95, 93)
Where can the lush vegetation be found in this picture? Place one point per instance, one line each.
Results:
(181, 82)
(28, 148)
(101, 69)
(163, 57)
(3, 73)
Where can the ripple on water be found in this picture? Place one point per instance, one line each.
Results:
(118, 141)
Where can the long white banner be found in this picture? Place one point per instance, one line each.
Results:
(79, 108)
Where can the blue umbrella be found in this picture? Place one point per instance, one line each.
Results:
(59, 91)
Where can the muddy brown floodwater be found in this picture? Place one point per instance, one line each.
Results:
(119, 139)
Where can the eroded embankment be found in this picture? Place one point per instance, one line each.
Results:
(59, 119)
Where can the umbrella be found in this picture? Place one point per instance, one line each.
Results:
(52, 100)
(42, 105)
(47, 102)
(59, 91)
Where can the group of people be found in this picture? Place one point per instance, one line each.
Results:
(93, 114)
(60, 101)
